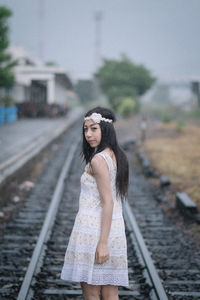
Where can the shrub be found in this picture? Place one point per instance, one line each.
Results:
(127, 107)
(166, 119)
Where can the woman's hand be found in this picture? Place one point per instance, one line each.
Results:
(102, 253)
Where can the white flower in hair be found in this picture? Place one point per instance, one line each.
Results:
(97, 118)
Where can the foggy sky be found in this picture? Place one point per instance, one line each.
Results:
(161, 34)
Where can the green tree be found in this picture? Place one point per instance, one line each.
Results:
(6, 63)
(123, 79)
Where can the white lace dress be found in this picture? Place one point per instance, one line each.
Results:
(79, 264)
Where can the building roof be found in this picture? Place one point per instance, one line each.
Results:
(31, 68)
(24, 57)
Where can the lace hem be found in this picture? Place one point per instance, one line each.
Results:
(95, 276)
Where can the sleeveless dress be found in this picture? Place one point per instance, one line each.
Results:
(79, 263)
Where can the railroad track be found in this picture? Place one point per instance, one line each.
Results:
(20, 234)
(42, 279)
(39, 254)
(174, 253)
(32, 254)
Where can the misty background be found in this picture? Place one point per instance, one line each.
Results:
(162, 35)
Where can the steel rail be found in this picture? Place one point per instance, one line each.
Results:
(153, 275)
(48, 223)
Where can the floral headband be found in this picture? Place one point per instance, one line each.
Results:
(97, 118)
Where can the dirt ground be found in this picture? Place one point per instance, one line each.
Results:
(176, 152)
(172, 151)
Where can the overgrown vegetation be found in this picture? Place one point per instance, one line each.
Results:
(169, 112)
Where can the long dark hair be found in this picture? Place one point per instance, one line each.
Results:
(108, 139)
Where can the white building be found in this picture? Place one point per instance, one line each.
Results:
(36, 81)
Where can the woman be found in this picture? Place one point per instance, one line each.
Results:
(96, 255)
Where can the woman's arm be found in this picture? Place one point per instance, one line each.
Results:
(101, 173)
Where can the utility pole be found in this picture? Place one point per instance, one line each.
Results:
(41, 29)
(97, 57)
(97, 52)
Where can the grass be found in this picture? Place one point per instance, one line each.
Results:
(175, 150)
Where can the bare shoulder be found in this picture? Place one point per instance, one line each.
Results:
(98, 164)
(111, 154)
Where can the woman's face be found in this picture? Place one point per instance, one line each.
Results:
(92, 133)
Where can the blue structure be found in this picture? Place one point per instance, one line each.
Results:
(8, 114)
